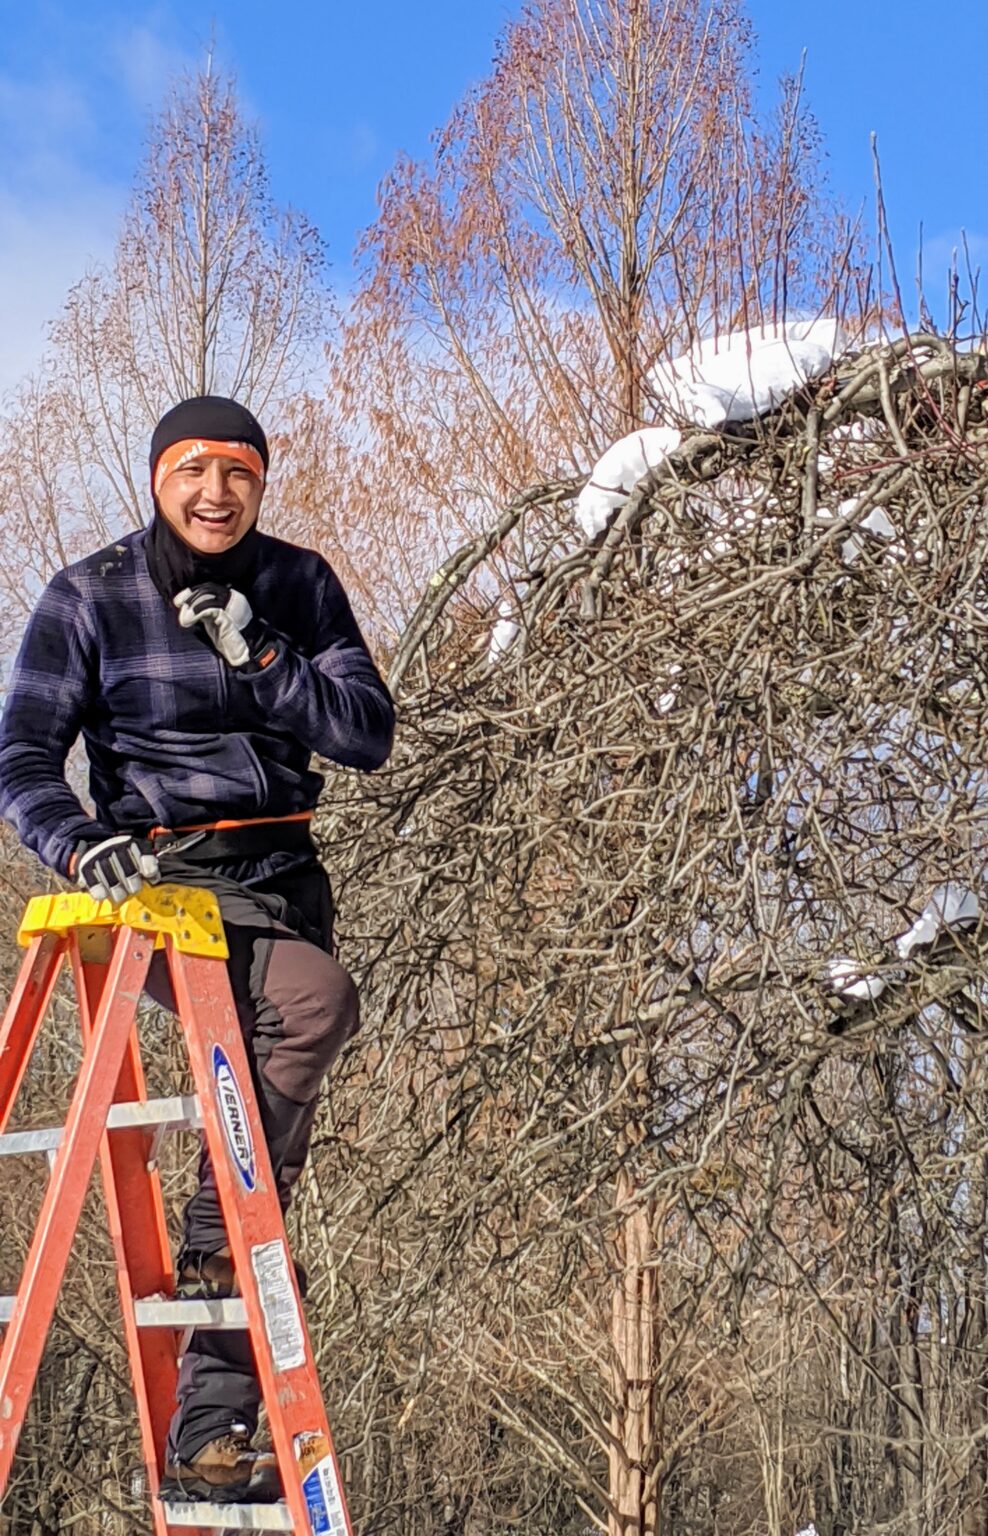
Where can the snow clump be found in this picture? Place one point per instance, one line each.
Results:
(847, 981)
(742, 375)
(951, 908)
(504, 634)
(617, 472)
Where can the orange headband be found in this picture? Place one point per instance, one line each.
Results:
(205, 448)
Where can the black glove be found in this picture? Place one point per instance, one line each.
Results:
(227, 618)
(116, 868)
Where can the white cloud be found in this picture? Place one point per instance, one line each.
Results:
(36, 113)
(146, 62)
(56, 217)
(59, 217)
(46, 245)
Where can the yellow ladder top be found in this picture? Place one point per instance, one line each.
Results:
(190, 916)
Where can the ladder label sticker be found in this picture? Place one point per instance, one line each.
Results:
(279, 1304)
(321, 1486)
(310, 1447)
(234, 1118)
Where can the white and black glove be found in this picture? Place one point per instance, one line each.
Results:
(226, 616)
(115, 869)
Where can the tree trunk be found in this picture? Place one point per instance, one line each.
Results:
(974, 1501)
(633, 1333)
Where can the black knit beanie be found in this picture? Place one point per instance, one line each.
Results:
(208, 416)
(174, 565)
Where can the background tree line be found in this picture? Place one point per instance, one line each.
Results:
(621, 1216)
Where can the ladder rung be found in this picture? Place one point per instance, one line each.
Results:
(230, 1517)
(228, 1313)
(161, 1313)
(175, 1114)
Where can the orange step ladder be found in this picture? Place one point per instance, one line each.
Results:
(109, 951)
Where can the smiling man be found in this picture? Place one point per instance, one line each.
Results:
(204, 662)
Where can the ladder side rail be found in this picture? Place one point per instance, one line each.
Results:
(25, 1014)
(256, 1231)
(61, 1207)
(138, 1229)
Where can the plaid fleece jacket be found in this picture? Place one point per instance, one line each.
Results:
(175, 735)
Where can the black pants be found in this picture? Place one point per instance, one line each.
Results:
(297, 1008)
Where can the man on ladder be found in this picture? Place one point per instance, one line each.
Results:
(204, 662)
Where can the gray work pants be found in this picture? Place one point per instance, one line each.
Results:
(297, 1008)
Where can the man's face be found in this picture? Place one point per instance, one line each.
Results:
(211, 503)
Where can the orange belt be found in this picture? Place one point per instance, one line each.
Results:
(226, 826)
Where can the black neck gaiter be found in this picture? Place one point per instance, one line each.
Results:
(175, 565)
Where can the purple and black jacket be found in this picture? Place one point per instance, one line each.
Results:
(174, 735)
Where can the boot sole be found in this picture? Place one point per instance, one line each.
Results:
(195, 1490)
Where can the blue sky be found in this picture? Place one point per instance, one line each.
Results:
(338, 88)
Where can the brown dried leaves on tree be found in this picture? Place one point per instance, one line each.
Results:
(607, 195)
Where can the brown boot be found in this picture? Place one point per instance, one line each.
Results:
(200, 1275)
(226, 1471)
(212, 1276)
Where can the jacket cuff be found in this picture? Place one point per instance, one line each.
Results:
(82, 838)
(265, 647)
